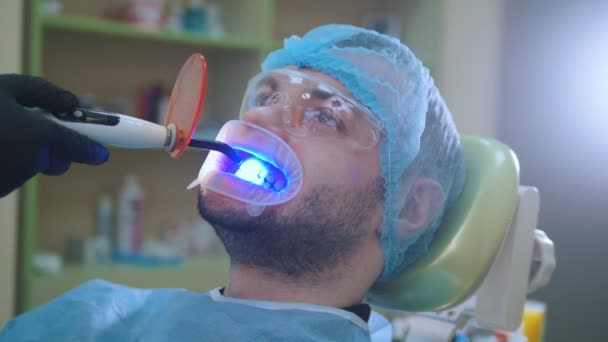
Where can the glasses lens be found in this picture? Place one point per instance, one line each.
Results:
(310, 107)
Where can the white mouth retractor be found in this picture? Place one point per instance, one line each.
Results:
(220, 175)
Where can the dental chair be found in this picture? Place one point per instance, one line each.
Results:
(485, 258)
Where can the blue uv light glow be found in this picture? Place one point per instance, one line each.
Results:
(252, 170)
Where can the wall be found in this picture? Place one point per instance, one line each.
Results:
(11, 18)
(469, 59)
(554, 114)
(458, 40)
(420, 30)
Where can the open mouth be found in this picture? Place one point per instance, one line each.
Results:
(256, 170)
(269, 173)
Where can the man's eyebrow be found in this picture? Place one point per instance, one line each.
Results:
(320, 94)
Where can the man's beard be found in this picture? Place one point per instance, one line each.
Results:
(327, 225)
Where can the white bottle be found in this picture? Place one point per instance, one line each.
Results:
(103, 229)
(104, 216)
(129, 221)
(173, 21)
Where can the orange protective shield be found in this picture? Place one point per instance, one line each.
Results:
(186, 102)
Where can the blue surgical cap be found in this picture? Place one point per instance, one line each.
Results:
(420, 140)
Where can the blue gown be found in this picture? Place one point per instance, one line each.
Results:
(103, 311)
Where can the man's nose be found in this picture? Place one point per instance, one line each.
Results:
(268, 117)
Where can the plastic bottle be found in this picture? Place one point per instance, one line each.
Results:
(129, 222)
(173, 21)
(195, 17)
(103, 227)
(104, 216)
(215, 25)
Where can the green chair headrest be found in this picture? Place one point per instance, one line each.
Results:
(468, 239)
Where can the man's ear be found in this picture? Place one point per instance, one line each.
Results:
(423, 203)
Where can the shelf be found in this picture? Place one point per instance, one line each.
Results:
(116, 29)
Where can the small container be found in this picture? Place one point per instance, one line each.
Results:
(173, 21)
(104, 227)
(195, 17)
(129, 220)
(104, 216)
(146, 14)
(50, 7)
(215, 23)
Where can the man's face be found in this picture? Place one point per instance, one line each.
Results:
(339, 206)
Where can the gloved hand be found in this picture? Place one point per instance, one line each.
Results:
(31, 143)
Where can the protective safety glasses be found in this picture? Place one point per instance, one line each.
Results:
(311, 107)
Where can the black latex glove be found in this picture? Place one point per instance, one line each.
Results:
(31, 143)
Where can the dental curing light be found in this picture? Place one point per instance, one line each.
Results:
(175, 136)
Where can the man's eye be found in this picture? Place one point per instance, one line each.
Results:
(261, 100)
(267, 99)
(326, 116)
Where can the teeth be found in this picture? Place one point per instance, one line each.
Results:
(262, 173)
(268, 184)
(272, 184)
(279, 184)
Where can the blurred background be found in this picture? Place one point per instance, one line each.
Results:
(533, 74)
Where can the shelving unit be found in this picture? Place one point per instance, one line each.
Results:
(116, 29)
(86, 54)
(89, 55)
